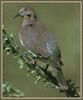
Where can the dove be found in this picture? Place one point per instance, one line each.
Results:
(36, 38)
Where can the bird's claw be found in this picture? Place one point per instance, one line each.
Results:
(33, 62)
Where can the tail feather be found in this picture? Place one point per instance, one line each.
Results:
(60, 78)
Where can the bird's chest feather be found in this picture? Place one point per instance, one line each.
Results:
(33, 36)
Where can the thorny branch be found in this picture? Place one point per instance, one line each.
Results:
(10, 91)
(41, 73)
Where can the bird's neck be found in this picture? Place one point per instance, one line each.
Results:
(28, 22)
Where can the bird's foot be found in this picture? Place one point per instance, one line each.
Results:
(33, 62)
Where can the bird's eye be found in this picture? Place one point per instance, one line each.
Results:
(25, 9)
(29, 15)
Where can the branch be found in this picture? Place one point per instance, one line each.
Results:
(10, 91)
(41, 73)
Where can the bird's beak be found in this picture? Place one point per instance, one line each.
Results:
(17, 15)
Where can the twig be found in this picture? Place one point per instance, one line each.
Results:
(10, 91)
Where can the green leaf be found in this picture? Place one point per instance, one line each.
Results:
(21, 62)
(9, 91)
(8, 50)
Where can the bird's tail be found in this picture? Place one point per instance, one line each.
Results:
(60, 78)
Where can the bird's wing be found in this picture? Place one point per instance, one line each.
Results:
(42, 51)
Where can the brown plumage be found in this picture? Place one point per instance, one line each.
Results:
(37, 39)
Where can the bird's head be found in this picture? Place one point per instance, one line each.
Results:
(27, 12)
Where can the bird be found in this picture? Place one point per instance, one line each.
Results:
(36, 38)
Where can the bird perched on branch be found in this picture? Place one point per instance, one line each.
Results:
(39, 41)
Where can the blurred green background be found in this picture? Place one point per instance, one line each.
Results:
(63, 20)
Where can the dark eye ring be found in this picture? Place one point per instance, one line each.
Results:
(29, 15)
(25, 9)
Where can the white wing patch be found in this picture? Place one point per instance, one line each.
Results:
(21, 40)
(32, 53)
